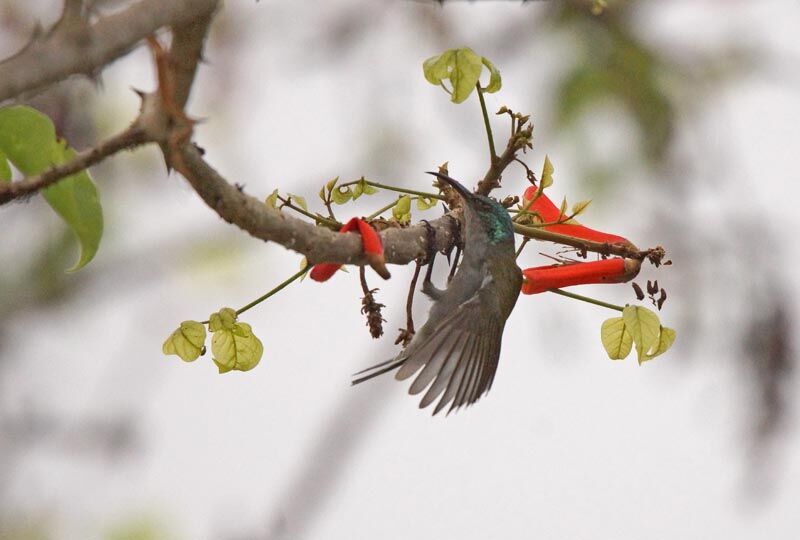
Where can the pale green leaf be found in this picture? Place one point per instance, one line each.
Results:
(299, 201)
(223, 319)
(272, 200)
(495, 81)
(331, 183)
(75, 199)
(580, 206)
(187, 341)
(563, 209)
(616, 339)
(401, 211)
(665, 341)
(644, 326)
(368, 189)
(236, 348)
(423, 203)
(358, 189)
(462, 67)
(28, 140)
(341, 195)
(437, 68)
(547, 173)
(5, 168)
(465, 73)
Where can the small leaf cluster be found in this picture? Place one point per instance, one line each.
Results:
(462, 68)
(233, 345)
(640, 326)
(28, 140)
(331, 193)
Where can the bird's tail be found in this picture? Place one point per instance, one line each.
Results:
(378, 369)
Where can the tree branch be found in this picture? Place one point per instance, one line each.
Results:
(318, 244)
(128, 139)
(84, 48)
(518, 140)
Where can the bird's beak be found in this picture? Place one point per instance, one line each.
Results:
(464, 192)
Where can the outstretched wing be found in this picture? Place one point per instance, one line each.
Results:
(458, 360)
(458, 357)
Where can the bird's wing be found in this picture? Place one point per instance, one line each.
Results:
(458, 358)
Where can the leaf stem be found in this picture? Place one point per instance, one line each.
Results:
(273, 291)
(489, 135)
(587, 299)
(397, 189)
(381, 211)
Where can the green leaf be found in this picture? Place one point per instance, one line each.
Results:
(665, 341)
(563, 209)
(331, 183)
(616, 339)
(272, 200)
(5, 168)
(402, 209)
(300, 201)
(645, 329)
(495, 81)
(547, 173)
(423, 203)
(28, 140)
(461, 66)
(358, 189)
(75, 199)
(187, 341)
(236, 348)
(437, 68)
(368, 189)
(223, 319)
(341, 195)
(580, 206)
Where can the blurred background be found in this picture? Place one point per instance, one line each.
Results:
(678, 118)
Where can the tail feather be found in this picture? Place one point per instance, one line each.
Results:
(378, 369)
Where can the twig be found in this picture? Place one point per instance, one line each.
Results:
(316, 217)
(628, 251)
(130, 138)
(394, 188)
(516, 142)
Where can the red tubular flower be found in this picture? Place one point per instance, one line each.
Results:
(543, 278)
(373, 249)
(550, 213)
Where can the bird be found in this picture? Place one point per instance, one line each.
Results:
(456, 352)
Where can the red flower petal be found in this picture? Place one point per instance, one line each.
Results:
(549, 212)
(543, 278)
(371, 243)
(323, 271)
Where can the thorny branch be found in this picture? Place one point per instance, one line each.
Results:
(130, 138)
(76, 46)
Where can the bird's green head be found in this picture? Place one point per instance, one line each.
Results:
(493, 216)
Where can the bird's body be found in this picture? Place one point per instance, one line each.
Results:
(457, 350)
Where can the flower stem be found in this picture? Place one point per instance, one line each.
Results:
(587, 299)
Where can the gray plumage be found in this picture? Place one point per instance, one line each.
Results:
(457, 350)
